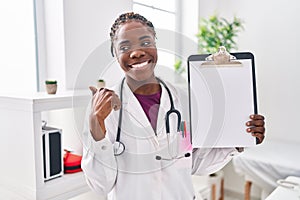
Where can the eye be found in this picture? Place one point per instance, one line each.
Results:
(146, 43)
(124, 48)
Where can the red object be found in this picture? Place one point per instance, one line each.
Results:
(72, 162)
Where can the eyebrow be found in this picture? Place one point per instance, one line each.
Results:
(127, 41)
(144, 37)
(123, 42)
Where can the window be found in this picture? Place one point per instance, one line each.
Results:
(163, 16)
(160, 13)
(17, 49)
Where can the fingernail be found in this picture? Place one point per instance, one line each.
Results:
(248, 123)
(248, 129)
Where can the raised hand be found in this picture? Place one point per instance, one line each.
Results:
(103, 102)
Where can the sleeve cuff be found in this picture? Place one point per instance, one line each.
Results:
(103, 146)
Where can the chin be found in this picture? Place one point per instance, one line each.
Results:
(141, 77)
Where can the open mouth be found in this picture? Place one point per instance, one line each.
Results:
(140, 65)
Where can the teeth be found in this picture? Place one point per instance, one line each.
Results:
(140, 64)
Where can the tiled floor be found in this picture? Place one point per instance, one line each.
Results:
(88, 196)
(91, 196)
(85, 196)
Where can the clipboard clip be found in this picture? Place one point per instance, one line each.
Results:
(221, 59)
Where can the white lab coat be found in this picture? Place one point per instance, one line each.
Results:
(136, 174)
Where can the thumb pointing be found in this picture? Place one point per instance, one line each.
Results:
(93, 89)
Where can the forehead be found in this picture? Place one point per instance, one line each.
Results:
(132, 30)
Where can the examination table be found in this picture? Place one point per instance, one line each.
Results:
(266, 163)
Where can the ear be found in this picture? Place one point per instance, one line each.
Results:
(115, 52)
(112, 51)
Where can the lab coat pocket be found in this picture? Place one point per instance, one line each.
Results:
(184, 149)
(184, 142)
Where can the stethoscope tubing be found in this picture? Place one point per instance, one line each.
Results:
(121, 145)
(172, 109)
(120, 112)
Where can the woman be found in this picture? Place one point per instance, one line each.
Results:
(152, 164)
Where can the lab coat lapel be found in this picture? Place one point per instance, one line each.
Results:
(163, 108)
(135, 110)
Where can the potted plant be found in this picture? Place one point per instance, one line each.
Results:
(51, 86)
(100, 83)
(217, 31)
(213, 33)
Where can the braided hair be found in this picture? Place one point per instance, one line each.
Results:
(122, 19)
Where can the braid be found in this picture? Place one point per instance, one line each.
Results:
(123, 18)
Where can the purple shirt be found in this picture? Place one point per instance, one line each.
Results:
(150, 104)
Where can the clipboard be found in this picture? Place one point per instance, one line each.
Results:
(222, 95)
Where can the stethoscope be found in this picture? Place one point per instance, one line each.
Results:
(119, 146)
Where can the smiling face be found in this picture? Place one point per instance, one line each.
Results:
(134, 46)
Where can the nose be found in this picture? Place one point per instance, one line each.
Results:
(137, 53)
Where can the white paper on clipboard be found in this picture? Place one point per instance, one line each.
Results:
(221, 98)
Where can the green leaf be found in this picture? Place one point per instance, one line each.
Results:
(50, 82)
(216, 31)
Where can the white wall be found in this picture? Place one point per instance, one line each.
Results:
(87, 28)
(272, 34)
(189, 28)
(17, 46)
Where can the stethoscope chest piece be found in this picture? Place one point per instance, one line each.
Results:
(119, 148)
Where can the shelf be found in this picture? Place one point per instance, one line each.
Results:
(21, 117)
(66, 186)
(42, 101)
